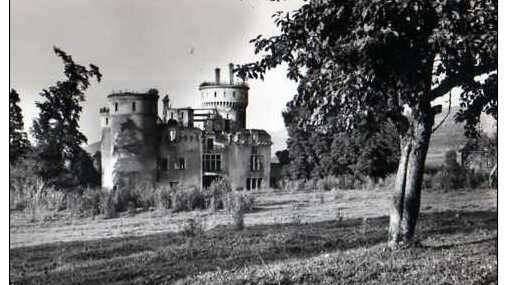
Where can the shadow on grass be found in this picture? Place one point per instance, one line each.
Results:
(167, 257)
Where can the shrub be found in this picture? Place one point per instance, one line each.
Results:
(193, 228)
(90, 202)
(188, 199)
(164, 194)
(216, 193)
(328, 183)
(108, 204)
(239, 201)
(238, 219)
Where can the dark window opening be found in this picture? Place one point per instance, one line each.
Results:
(162, 164)
(107, 121)
(133, 106)
(227, 126)
(253, 183)
(173, 183)
(212, 162)
(256, 163)
(209, 144)
(181, 164)
(215, 94)
(116, 107)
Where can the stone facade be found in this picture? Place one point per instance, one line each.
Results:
(186, 146)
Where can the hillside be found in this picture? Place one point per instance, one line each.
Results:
(450, 136)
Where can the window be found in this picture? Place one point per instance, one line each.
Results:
(180, 164)
(233, 93)
(173, 183)
(107, 121)
(212, 162)
(172, 116)
(209, 144)
(227, 126)
(256, 163)
(253, 183)
(133, 106)
(215, 94)
(181, 116)
(116, 107)
(162, 164)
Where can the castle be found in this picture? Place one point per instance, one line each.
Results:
(186, 146)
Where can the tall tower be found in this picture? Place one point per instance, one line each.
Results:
(129, 137)
(230, 99)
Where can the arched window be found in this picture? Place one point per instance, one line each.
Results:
(116, 107)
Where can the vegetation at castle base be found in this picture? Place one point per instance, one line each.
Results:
(388, 60)
(61, 160)
(349, 250)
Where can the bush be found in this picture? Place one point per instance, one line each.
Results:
(188, 199)
(239, 220)
(239, 201)
(91, 202)
(216, 193)
(164, 194)
(108, 204)
(328, 183)
(193, 228)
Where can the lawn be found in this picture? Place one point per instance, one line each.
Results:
(302, 238)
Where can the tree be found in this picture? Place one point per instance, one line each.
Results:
(369, 150)
(18, 142)
(56, 129)
(392, 60)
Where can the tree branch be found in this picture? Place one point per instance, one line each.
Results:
(450, 82)
(446, 115)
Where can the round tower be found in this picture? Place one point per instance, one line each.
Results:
(230, 99)
(131, 150)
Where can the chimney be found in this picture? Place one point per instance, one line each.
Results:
(231, 73)
(217, 75)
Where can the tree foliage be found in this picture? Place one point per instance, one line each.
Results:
(362, 57)
(56, 129)
(387, 60)
(18, 141)
(370, 150)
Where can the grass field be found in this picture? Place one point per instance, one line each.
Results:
(303, 238)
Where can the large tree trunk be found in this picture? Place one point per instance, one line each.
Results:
(407, 189)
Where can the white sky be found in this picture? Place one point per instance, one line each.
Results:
(145, 44)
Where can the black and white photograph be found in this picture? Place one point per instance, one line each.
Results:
(253, 142)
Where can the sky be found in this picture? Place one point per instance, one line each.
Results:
(171, 45)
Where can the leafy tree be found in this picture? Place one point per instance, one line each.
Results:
(369, 150)
(18, 142)
(392, 60)
(56, 129)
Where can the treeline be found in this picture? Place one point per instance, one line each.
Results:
(370, 150)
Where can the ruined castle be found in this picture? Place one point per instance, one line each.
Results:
(186, 146)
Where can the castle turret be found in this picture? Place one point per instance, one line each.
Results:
(230, 99)
(129, 145)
